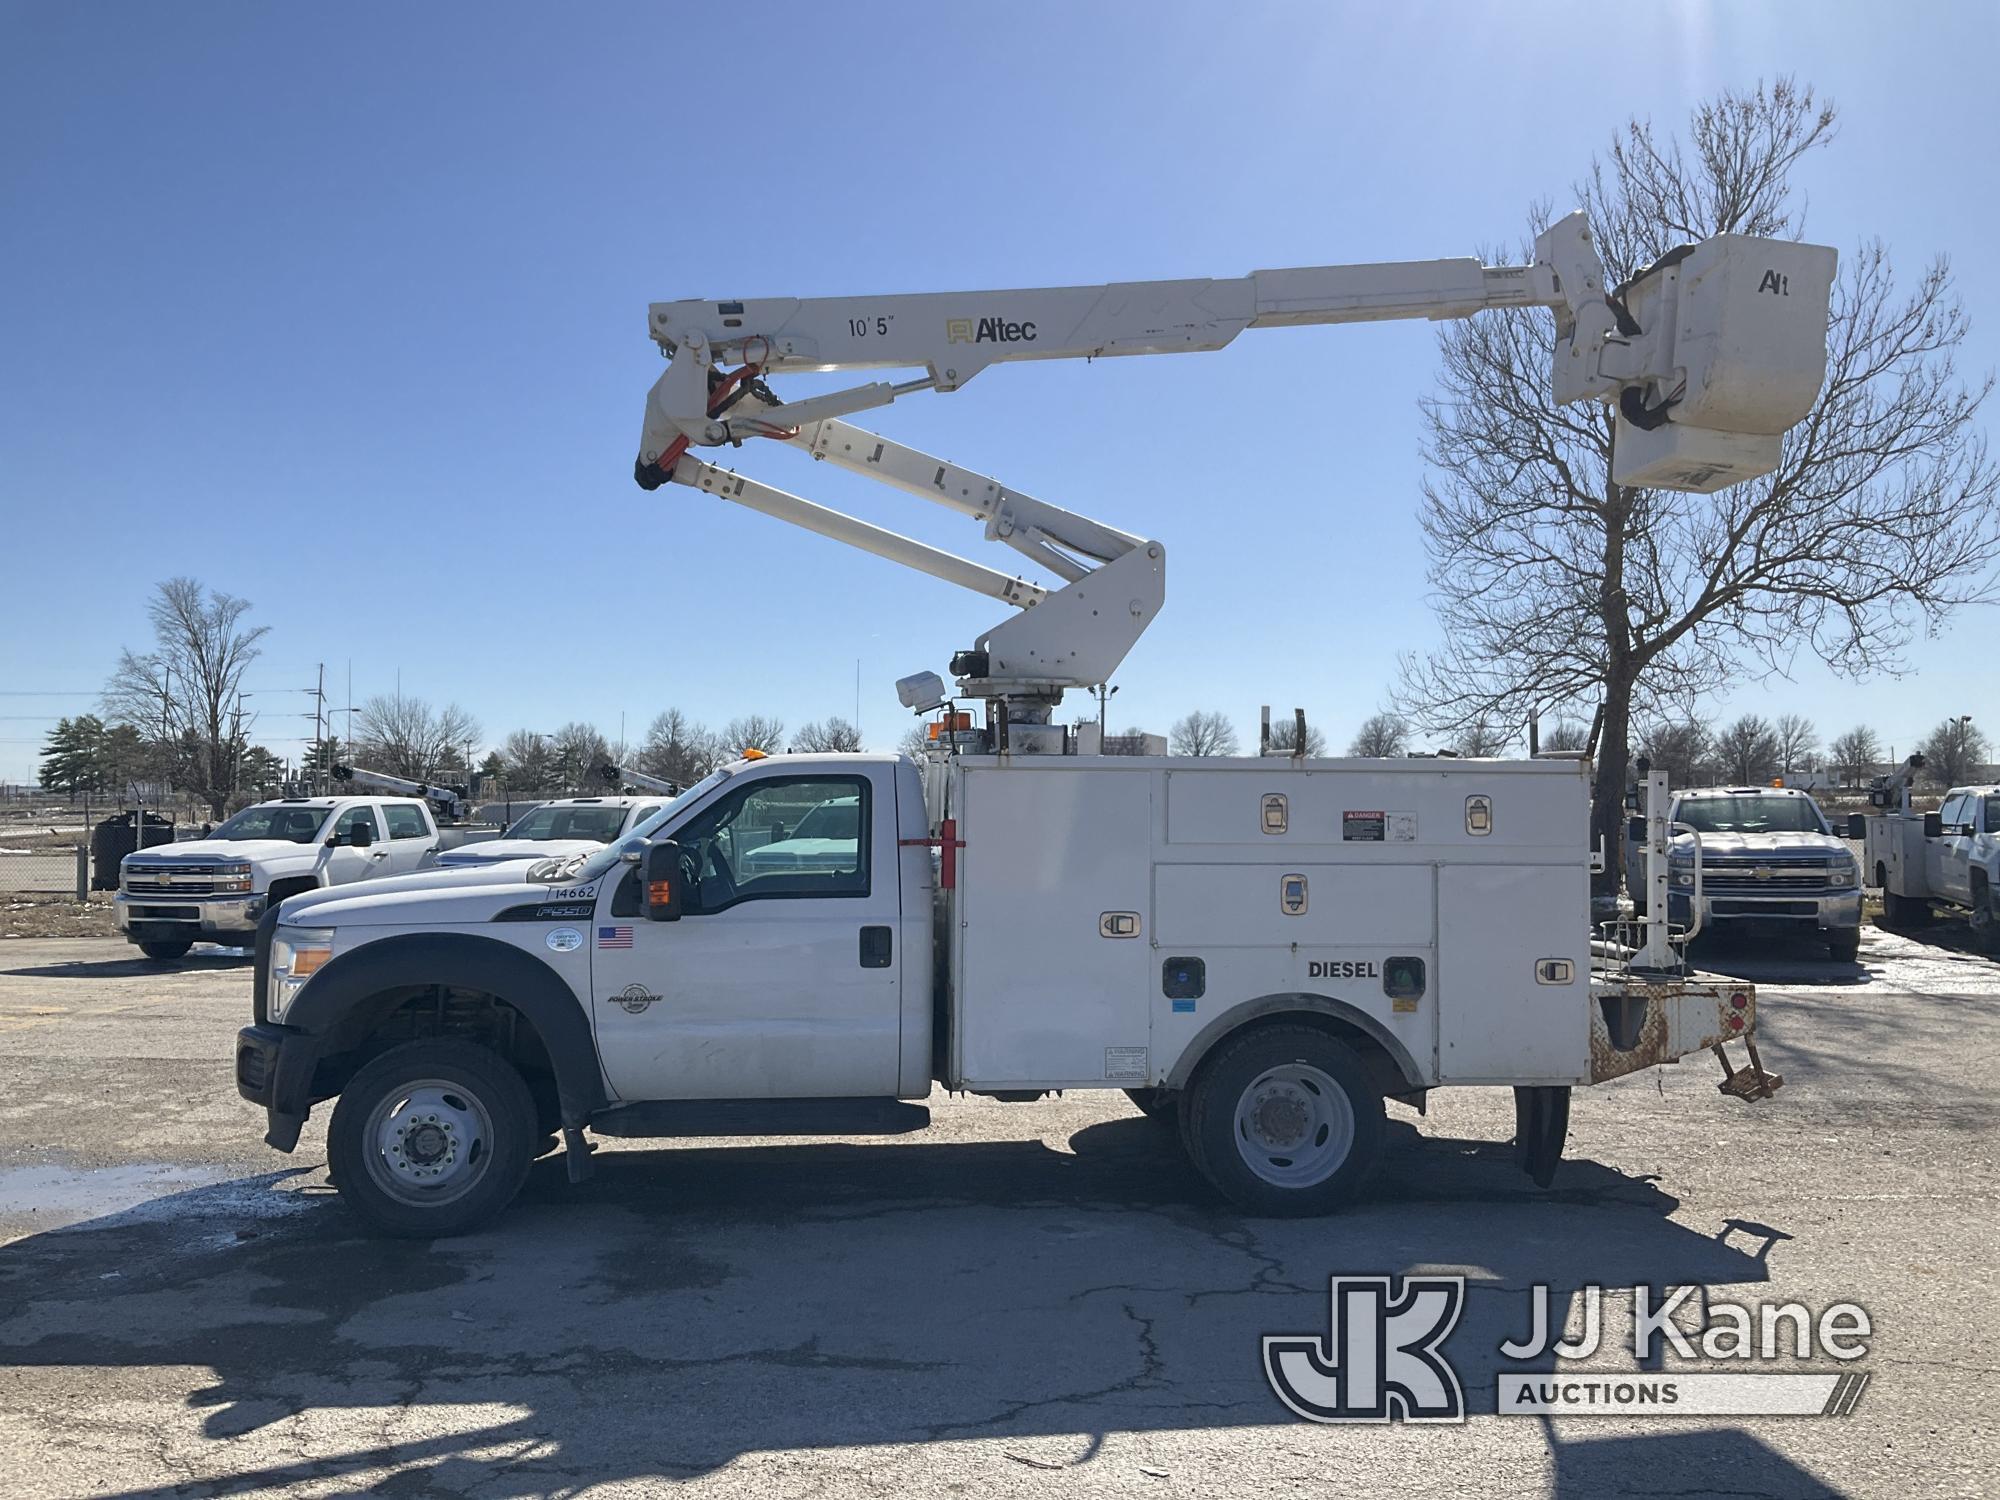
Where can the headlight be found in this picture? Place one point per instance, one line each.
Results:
(1843, 873)
(232, 878)
(297, 953)
(1684, 876)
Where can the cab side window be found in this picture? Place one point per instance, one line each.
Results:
(353, 818)
(1952, 813)
(782, 837)
(406, 821)
(1992, 824)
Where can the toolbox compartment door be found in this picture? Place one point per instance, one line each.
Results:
(1504, 933)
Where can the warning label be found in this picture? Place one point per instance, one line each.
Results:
(1125, 1064)
(1363, 827)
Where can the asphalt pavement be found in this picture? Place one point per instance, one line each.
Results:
(1024, 1300)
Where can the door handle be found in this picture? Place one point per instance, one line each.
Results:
(877, 947)
(380, 854)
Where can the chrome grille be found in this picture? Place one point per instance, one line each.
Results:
(170, 880)
(1750, 876)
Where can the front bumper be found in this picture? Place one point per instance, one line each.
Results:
(215, 919)
(274, 1068)
(1832, 911)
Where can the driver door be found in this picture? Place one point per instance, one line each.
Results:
(781, 980)
(342, 862)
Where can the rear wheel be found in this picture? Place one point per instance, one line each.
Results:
(165, 952)
(1903, 911)
(1985, 915)
(1284, 1121)
(432, 1138)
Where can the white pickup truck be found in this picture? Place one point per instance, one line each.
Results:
(564, 826)
(1768, 858)
(214, 889)
(1948, 858)
(1264, 950)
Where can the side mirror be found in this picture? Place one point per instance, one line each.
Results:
(1933, 826)
(1635, 830)
(1857, 826)
(361, 836)
(660, 881)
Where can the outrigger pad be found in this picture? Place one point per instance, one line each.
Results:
(1748, 1084)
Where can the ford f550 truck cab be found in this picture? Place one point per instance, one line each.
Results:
(1264, 949)
(1768, 857)
(214, 889)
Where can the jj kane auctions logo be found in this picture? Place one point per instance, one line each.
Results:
(1382, 1357)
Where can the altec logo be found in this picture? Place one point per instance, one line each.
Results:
(1380, 1360)
(987, 331)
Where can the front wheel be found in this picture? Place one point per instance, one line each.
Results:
(1284, 1121)
(1844, 947)
(165, 952)
(432, 1138)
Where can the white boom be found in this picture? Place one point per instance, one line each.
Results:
(447, 802)
(1710, 356)
(624, 776)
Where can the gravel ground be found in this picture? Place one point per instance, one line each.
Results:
(1025, 1300)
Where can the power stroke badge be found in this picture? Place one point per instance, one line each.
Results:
(634, 999)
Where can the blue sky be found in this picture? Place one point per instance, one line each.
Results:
(342, 309)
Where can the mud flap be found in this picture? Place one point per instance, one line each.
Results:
(1541, 1126)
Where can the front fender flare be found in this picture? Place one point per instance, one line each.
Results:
(341, 999)
(1292, 1003)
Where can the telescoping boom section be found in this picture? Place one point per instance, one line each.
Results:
(1708, 356)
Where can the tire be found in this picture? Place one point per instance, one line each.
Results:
(1155, 1104)
(1903, 911)
(1844, 947)
(462, 1170)
(1265, 1118)
(163, 953)
(1985, 915)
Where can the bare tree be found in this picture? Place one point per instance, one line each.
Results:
(1556, 587)
(186, 694)
(1203, 732)
(528, 761)
(1564, 734)
(1682, 750)
(678, 748)
(917, 742)
(576, 753)
(1748, 750)
(1383, 735)
(1479, 740)
(1797, 740)
(836, 735)
(1285, 735)
(1854, 754)
(407, 737)
(752, 732)
(1126, 742)
(1954, 752)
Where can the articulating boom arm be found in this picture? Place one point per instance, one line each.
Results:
(1707, 372)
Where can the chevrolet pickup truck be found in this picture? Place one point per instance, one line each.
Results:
(1768, 858)
(214, 889)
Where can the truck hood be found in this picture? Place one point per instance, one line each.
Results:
(496, 851)
(429, 898)
(263, 853)
(1744, 845)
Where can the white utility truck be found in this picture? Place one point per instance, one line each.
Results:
(556, 828)
(1266, 949)
(1767, 859)
(1949, 858)
(214, 889)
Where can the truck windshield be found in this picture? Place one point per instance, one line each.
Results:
(1751, 815)
(581, 867)
(555, 821)
(298, 824)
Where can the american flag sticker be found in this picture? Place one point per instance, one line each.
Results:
(614, 937)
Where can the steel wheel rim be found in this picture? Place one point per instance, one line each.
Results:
(428, 1142)
(1294, 1126)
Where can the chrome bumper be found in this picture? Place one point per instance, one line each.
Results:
(215, 918)
(1830, 911)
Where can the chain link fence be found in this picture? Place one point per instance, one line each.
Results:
(55, 869)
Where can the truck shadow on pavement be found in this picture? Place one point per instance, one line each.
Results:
(694, 1304)
(220, 961)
